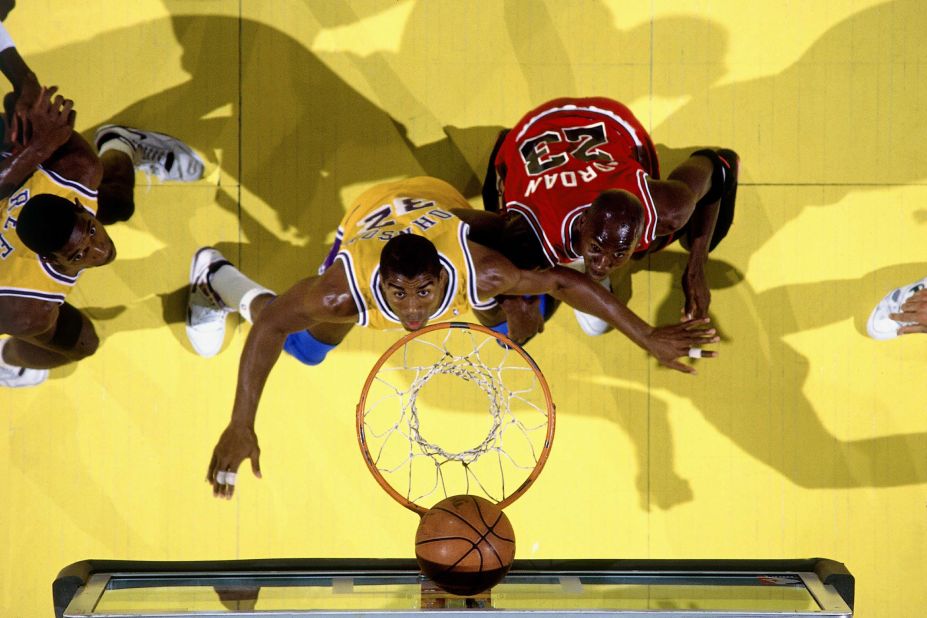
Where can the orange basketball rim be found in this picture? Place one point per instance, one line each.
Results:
(455, 408)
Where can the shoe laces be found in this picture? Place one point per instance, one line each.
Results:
(210, 300)
(156, 158)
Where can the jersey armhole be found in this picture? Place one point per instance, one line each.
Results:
(363, 319)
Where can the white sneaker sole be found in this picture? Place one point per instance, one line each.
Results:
(30, 377)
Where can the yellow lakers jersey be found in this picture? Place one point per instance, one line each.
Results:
(22, 273)
(413, 206)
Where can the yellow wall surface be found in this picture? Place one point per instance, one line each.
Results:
(802, 438)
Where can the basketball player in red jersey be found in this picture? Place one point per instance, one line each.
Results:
(578, 183)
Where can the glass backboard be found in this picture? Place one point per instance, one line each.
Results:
(395, 588)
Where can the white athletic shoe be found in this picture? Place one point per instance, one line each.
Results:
(882, 327)
(156, 154)
(18, 377)
(205, 310)
(591, 324)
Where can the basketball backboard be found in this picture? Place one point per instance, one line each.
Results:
(394, 588)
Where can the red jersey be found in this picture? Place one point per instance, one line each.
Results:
(562, 155)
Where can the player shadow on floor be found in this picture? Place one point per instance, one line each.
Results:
(837, 128)
(769, 417)
(322, 136)
(551, 59)
(641, 413)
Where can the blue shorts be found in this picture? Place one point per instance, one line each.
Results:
(305, 348)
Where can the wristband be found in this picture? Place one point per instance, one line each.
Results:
(5, 41)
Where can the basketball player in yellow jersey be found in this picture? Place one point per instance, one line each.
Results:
(48, 235)
(401, 259)
(56, 195)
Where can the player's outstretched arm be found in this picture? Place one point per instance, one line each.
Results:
(310, 302)
(667, 343)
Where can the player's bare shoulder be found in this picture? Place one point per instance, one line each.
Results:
(494, 272)
(328, 297)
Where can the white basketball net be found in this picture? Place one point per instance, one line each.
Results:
(400, 421)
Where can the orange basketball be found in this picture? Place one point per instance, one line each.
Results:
(465, 544)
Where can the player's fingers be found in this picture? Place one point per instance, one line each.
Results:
(219, 474)
(25, 136)
(16, 128)
(913, 304)
(211, 471)
(678, 366)
(695, 323)
(912, 328)
(72, 118)
(230, 478)
(708, 354)
(256, 463)
(45, 99)
(218, 480)
(221, 482)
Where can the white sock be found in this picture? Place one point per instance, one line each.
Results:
(236, 290)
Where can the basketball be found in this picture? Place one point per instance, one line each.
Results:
(465, 544)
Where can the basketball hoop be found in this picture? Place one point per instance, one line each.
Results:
(423, 446)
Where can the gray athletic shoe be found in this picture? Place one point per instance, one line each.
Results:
(205, 310)
(18, 377)
(156, 154)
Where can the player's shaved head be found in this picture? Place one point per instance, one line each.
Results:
(409, 255)
(619, 209)
(609, 232)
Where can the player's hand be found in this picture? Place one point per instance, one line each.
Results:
(236, 444)
(29, 92)
(698, 296)
(524, 317)
(913, 310)
(47, 124)
(668, 343)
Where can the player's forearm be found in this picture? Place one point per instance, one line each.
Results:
(262, 349)
(701, 229)
(583, 294)
(16, 70)
(14, 170)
